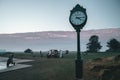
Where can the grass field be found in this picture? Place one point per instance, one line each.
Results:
(51, 69)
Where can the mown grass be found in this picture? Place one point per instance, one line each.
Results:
(50, 69)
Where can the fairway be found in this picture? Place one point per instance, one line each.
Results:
(51, 69)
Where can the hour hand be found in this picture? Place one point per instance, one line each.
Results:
(78, 18)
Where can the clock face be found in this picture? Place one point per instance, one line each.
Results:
(78, 18)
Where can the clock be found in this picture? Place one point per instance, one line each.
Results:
(77, 18)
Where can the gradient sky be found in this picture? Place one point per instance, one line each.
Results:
(53, 15)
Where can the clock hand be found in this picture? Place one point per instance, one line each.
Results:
(82, 17)
(79, 18)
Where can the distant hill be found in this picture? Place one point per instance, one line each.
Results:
(55, 39)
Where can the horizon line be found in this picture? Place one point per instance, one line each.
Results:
(56, 31)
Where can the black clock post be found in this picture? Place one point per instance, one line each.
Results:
(78, 19)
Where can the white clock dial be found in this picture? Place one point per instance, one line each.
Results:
(78, 18)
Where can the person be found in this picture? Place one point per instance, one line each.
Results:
(60, 54)
(10, 60)
(41, 55)
(67, 51)
(49, 53)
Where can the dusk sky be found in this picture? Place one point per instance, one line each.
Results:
(18, 16)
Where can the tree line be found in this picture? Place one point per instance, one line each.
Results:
(94, 45)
